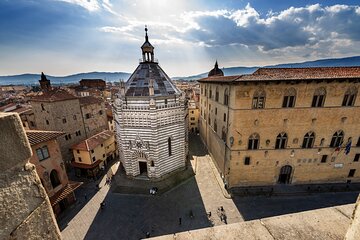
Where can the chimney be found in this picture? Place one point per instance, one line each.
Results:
(122, 88)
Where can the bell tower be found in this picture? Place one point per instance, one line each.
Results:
(44, 83)
(147, 49)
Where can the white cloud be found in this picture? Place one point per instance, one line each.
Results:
(243, 17)
(90, 5)
(297, 32)
(94, 5)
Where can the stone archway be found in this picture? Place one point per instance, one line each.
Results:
(141, 159)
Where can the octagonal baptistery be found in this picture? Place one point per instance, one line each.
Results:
(150, 118)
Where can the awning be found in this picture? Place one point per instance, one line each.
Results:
(86, 166)
(64, 192)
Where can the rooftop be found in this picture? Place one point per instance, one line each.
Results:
(280, 74)
(39, 136)
(89, 100)
(94, 141)
(139, 82)
(53, 96)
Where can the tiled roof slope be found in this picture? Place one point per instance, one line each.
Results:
(139, 81)
(94, 141)
(302, 73)
(53, 96)
(279, 74)
(89, 100)
(39, 136)
(219, 79)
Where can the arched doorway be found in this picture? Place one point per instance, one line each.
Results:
(54, 179)
(285, 174)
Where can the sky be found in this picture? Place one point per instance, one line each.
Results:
(62, 37)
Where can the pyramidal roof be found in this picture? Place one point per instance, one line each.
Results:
(139, 82)
(149, 74)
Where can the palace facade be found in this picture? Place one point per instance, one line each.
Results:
(283, 126)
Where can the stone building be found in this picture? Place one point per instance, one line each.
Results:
(94, 116)
(51, 168)
(194, 113)
(94, 153)
(57, 110)
(283, 126)
(150, 118)
(79, 118)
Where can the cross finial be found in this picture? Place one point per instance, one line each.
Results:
(146, 36)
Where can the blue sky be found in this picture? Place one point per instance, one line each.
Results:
(61, 37)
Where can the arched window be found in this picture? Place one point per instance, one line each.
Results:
(217, 94)
(226, 97)
(215, 126)
(223, 134)
(308, 140)
(169, 146)
(205, 91)
(259, 99)
(254, 141)
(281, 140)
(319, 97)
(210, 93)
(152, 164)
(54, 179)
(337, 139)
(289, 98)
(349, 97)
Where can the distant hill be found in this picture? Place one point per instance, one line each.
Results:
(333, 62)
(31, 79)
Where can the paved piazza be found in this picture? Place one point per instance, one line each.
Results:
(132, 216)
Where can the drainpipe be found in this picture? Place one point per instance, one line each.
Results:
(82, 117)
(227, 136)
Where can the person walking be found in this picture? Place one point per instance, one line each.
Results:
(180, 221)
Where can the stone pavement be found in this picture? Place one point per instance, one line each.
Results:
(78, 226)
(128, 216)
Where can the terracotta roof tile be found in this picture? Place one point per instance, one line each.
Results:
(302, 73)
(89, 100)
(219, 79)
(53, 96)
(94, 141)
(279, 74)
(39, 136)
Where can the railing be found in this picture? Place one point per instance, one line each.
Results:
(142, 61)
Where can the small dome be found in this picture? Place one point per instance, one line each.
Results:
(216, 71)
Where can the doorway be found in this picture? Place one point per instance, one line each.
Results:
(143, 167)
(285, 174)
